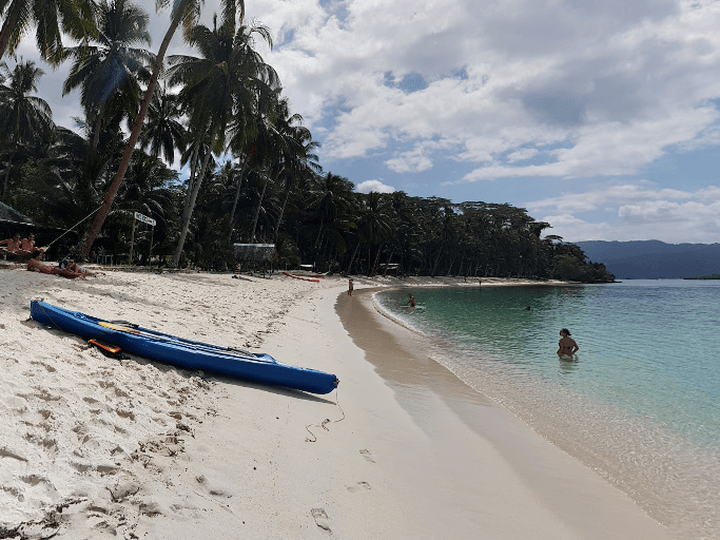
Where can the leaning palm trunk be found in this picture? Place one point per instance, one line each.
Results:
(352, 259)
(282, 213)
(257, 212)
(436, 263)
(387, 264)
(130, 148)
(377, 260)
(450, 267)
(189, 207)
(96, 136)
(320, 231)
(237, 196)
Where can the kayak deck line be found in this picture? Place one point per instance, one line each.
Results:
(185, 343)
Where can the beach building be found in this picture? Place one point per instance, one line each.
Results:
(13, 222)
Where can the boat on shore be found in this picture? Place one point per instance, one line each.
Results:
(182, 352)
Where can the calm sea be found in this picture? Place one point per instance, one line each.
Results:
(642, 403)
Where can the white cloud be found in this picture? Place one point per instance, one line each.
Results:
(376, 186)
(414, 160)
(523, 154)
(613, 85)
(618, 194)
(587, 87)
(634, 212)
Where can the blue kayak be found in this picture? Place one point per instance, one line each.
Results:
(182, 352)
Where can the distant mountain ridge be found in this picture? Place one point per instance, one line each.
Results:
(652, 259)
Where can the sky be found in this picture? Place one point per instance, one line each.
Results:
(600, 118)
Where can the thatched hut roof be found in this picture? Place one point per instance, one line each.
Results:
(13, 217)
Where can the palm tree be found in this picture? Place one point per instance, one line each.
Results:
(376, 225)
(332, 198)
(50, 19)
(108, 73)
(226, 82)
(404, 224)
(186, 12)
(48, 191)
(164, 133)
(236, 173)
(23, 118)
(147, 193)
(300, 172)
(296, 160)
(273, 148)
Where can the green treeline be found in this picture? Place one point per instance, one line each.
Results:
(250, 169)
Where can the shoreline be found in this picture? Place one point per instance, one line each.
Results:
(669, 476)
(571, 493)
(100, 448)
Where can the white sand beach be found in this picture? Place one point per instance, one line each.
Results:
(94, 447)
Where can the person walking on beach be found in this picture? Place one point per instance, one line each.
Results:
(567, 345)
(350, 287)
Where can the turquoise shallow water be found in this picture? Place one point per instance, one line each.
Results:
(642, 403)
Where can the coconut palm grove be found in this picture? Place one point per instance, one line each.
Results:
(250, 169)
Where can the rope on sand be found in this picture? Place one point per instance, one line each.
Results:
(327, 421)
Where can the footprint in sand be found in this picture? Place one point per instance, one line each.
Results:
(366, 454)
(321, 519)
(360, 486)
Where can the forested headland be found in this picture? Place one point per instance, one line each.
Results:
(250, 170)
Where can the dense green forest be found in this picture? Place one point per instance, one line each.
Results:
(250, 168)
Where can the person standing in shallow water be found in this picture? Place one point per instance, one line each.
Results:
(568, 346)
(350, 287)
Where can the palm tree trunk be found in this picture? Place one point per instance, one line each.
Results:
(96, 136)
(257, 212)
(189, 207)
(435, 264)
(282, 213)
(387, 264)
(322, 224)
(377, 260)
(130, 148)
(452, 263)
(7, 176)
(192, 182)
(352, 259)
(237, 197)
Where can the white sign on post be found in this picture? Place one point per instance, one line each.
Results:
(144, 219)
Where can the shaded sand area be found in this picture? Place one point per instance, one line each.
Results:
(92, 447)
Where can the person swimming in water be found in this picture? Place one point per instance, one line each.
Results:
(567, 345)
